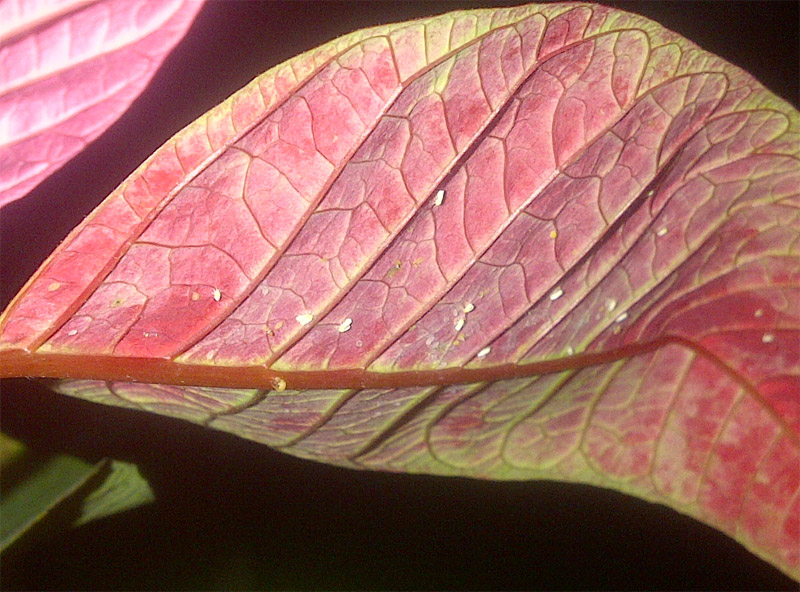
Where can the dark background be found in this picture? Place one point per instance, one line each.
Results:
(234, 514)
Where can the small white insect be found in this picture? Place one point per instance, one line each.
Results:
(661, 231)
(278, 384)
(556, 294)
(75, 332)
(758, 313)
(611, 304)
(344, 327)
(439, 198)
(570, 350)
(468, 308)
(217, 294)
(621, 318)
(767, 338)
(304, 319)
(484, 352)
(460, 324)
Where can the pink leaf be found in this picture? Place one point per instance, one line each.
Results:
(546, 242)
(70, 69)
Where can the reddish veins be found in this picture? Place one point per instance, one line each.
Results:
(545, 241)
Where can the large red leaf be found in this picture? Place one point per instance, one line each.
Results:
(69, 69)
(569, 198)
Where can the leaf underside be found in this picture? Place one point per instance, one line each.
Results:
(553, 241)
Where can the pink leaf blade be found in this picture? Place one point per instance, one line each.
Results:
(162, 177)
(585, 272)
(71, 69)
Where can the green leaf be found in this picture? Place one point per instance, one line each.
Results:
(51, 483)
(123, 489)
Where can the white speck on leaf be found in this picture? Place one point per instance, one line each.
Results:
(556, 294)
(759, 313)
(484, 352)
(570, 350)
(611, 304)
(344, 327)
(661, 232)
(54, 286)
(75, 332)
(304, 319)
(621, 318)
(468, 308)
(217, 294)
(768, 338)
(459, 324)
(439, 198)
(278, 384)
